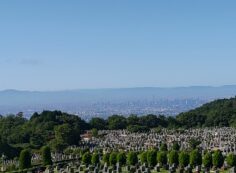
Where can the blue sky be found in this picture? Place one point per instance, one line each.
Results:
(55, 45)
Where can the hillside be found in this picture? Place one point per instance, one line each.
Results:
(221, 112)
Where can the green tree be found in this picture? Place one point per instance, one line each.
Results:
(121, 158)
(113, 158)
(95, 158)
(195, 158)
(95, 132)
(98, 123)
(25, 159)
(86, 158)
(143, 157)
(231, 160)
(207, 160)
(183, 159)
(162, 158)
(132, 158)
(173, 157)
(152, 157)
(105, 158)
(116, 122)
(66, 135)
(46, 155)
(217, 159)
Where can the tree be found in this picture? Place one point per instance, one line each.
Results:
(183, 159)
(112, 158)
(116, 122)
(143, 157)
(105, 158)
(46, 155)
(133, 120)
(217, 159)
(98, 123)
(173, 157)
(195, 158)
(86, 158)
(152, 157)
(95, 158)
(162, 158)
(231, 160)
(66, 135)
(121, 158)
(25, 159)
(95, 132)
(207, 160)
(132, 158)
(176, 146)
(163, 147)
(150, 121)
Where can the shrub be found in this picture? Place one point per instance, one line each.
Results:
(25, 159)
(132, 158)
(46, 154)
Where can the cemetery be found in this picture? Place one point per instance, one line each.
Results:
(119, 151)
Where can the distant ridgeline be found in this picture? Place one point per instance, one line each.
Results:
(60, 130)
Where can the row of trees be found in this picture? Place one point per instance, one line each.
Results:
(133, 123)
(152, 157)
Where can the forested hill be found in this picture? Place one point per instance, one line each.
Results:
(217, 113)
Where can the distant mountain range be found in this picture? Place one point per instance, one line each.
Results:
(75, 101)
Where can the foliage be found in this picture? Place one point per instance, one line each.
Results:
(143, 157)
(163, 147)
(25, 159)
(207, 160)
(95, 158)
(152, 157)
(183, 159)
(121, 158)
(173, 157)
(195, 158)
(162, 158)
(132, 158)
(116, 122)
(86, 158)
(176, 146)
(98, 123)
(217, 113)
(113, 158)
(217, 159)
(231, 160)
(105, 158)
(46, 155)
(95, 132)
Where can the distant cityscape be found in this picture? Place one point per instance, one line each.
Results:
(107, 102)
(105, 109)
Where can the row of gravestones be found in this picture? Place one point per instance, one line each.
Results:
(77, 168)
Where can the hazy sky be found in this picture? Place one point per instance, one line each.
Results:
(54, 45)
